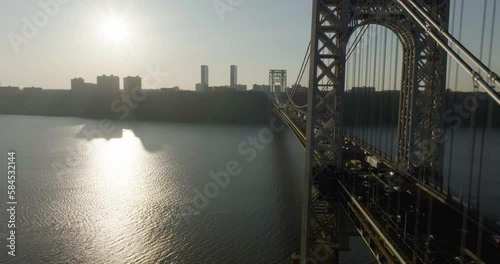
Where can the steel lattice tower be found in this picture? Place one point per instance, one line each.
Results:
(420, 109)
(277, 77)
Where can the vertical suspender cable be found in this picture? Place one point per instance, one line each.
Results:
(470, 174)
(364, 97)
(396, 64)
(452, 100)
(370, 95)
(473, 74)
(486, 125)
(389, 112)
(455, 92)
(464, 213)
(357, 100)
(492, 76)
(383, 48)
(492, 34)
(351, 96)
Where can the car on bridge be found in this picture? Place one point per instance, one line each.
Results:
(351, 169)
(374, 163)
(366, 184)
(495, 240)
(357, 163)
(388, 190)
(462, 260)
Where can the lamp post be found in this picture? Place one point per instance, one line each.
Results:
(406, 218)
(373, 192)
(404, 231)
(399, 202)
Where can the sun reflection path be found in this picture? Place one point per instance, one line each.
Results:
(120, 196)
(118, 160)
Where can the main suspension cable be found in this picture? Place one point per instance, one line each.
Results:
(474, 75)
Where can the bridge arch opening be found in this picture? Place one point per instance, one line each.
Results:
(373, 84)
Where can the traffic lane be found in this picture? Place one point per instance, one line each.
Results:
(473, 216)
(396, 230)
(447, 230)
(447, 227)
(407, 202)
(361, 194)
(384, 220)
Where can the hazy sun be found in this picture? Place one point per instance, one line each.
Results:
(115, 29)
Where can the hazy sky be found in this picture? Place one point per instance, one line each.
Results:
(164, 41)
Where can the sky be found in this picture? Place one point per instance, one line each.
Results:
(164, 41)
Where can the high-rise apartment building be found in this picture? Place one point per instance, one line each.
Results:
(108, 83)
(132, 84)
(204, 76)
(234, 77)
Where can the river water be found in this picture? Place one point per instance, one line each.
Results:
(130, 192)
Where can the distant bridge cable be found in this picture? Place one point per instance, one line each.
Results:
(304, 65)
(357, 40)
(302, 70)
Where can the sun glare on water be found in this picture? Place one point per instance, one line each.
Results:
(119, 159)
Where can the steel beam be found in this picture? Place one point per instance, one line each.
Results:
(278, 77)
(424, 65)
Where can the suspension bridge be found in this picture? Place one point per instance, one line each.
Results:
(399, 121)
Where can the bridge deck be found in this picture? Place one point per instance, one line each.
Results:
(407, 224)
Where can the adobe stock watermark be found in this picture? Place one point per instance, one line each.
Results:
(248, 151)
(105, 126)
(32, 25)
(123, 106)
(454, 117)
(224, 6)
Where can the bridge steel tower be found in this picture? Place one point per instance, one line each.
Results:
(278, 77)
(419, 151)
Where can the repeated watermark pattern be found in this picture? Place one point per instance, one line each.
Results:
(123, 106)
(452, 117)
(248, 151)
(225, 6)
(11, 203)
(32, 25)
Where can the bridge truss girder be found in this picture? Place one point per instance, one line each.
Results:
(420, 110)
(278, 77)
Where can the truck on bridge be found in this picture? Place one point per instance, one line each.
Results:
(373, 162)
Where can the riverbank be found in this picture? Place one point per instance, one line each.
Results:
(150, 105)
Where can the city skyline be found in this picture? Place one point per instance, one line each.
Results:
(157, 41)
(232, 131)
(127, 38)
(233, 82)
